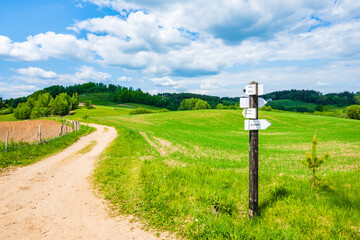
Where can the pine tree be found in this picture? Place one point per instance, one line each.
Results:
(312, 162)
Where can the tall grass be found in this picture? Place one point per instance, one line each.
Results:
(192, 178)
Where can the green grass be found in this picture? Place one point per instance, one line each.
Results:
(103, 99)
(7, 118)
(26, 153)
(193, 177)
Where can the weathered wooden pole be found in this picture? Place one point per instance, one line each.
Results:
(65, 127)
(72, 126)
(39, 140)
(253, 158)
(6, 141)
(61, 129)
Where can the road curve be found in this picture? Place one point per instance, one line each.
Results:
(53, 199)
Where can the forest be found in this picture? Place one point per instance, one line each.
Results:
(172, 101)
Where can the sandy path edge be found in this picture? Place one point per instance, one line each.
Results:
(53, 198)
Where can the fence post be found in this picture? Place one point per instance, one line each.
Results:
(6, 142)
(39, 141)
(79, 124)
(61, 129)
(65, 127)
(72, 126)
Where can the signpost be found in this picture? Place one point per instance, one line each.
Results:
(253, 125)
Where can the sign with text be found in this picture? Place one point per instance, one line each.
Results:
(251, 90)
(257, 124)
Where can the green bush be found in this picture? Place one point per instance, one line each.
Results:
(353, 112)
(140, 110)
(194, 104)
(22, 111)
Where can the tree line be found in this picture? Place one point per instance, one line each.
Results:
(310, 96)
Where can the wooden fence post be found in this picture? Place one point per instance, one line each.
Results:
(65, 127)
(72, 126)
(6, 142)
(61, 129)
(39, 141)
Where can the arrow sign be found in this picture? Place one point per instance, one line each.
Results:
(244, 102)
(249, 113)
(258, 124)
(251, 89)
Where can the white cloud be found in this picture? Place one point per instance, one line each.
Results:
(164, 81)
(320, 84)
(90, 74)
(124, 79)
(16, 89)
(36, 72)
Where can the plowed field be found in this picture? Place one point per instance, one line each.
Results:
(28, 130)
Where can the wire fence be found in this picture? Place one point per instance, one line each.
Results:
(10, 145)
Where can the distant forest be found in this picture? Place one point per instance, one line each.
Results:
(172, 101)
(311, 96)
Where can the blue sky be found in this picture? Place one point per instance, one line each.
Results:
(210, 47)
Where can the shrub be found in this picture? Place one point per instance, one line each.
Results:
(194, 104)
(22, 111)
(87, 104)
(140, 110)
(353, 112)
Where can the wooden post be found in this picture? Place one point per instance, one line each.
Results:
(65, 127)
(253, 159)
(6, 141)
(39, 140)
(79, 124)
(72, 126)
(61, 129)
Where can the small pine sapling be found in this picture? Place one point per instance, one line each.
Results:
(312, 162)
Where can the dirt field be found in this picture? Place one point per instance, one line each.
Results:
(54, 199)
(28, 130)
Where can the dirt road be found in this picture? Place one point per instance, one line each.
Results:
(53, 199)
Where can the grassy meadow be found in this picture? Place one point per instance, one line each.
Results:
(187, 172)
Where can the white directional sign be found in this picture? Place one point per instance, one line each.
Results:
(244, 102)
(258, 124)
(249, 113)
(251, 89)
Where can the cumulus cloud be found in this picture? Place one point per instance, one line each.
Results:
(90, 74)
(165, 81)
(176, 43)
(16, 89)
(124, 79)
(36, 72)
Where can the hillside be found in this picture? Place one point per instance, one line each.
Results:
(187, 172)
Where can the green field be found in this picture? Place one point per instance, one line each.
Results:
(187, 172)
(7, 118)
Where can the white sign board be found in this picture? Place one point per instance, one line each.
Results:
(251, 89)
(258, 124)
(249, 113)
(244, 102)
